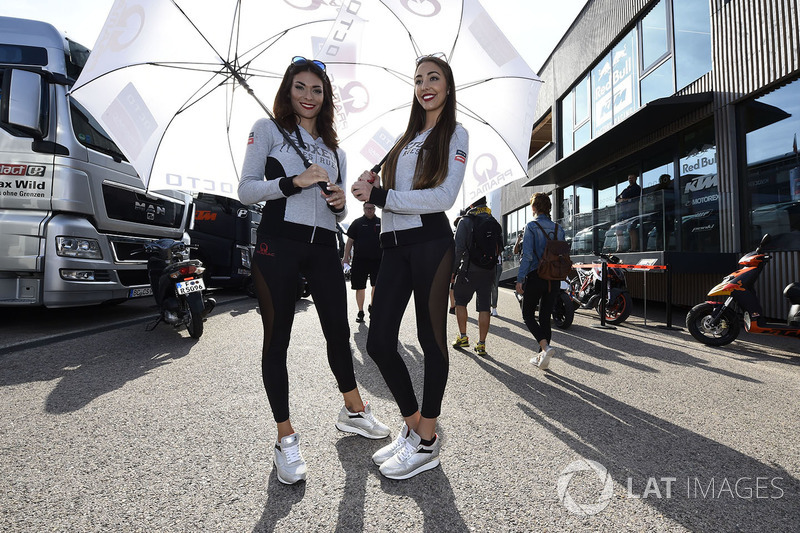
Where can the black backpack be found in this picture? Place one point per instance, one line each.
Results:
(487, 241)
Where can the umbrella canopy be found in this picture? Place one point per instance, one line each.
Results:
(371, 54)
(176, 83)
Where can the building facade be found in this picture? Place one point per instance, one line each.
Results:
(700, 101)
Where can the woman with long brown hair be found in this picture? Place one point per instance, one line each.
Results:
(420, 180)
(297, 235)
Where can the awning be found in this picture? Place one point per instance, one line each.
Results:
(653, 116)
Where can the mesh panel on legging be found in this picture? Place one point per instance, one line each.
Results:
(273, 360)
(437, 368)
(276, 276)
(423, 269)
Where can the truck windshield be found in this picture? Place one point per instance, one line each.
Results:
(90, 134)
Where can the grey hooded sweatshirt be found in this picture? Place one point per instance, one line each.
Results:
(290, 212)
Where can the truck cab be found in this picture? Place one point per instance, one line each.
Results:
(223, 237)
(74, 215)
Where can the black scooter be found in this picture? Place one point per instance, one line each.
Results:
(718, 323)
(177, 285)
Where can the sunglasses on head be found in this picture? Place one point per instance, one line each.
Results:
(437, 55)
(300, 61)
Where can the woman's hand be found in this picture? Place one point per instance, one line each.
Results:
(520, 290)
(310, 176)
(336, 198)
(362, 188)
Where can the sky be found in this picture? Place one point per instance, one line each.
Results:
(534, 27)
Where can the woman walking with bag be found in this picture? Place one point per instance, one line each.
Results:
(297, 235)
(537, 292)
(420, 181)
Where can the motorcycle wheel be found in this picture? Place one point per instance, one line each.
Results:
(563, 312)
(698, 322)
(574, 287)
(194, 314)
(618, 310)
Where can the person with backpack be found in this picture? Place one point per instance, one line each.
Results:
(537, 291)
(479, 241)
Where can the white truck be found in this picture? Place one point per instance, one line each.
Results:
(73, 212)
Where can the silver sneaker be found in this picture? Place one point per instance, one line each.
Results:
(412, 459)
(290, 466)
(362, 423)
(544, 362)
(385, 453)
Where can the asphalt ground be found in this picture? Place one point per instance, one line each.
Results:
(639, 428)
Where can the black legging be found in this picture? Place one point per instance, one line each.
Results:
(277, 264)
(542, 293)
(424, 270)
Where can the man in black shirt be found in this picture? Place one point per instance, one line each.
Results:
(363, 253)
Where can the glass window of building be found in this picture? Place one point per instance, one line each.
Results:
(583, 135)
(655, 41)
(602, 110)
(623, 64)
(658, 83)
(692, 26)
(699, 190)
(582, 95)
(584, 240)
(658, 204)
(771, 189)
(567, 124)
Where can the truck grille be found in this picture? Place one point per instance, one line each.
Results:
(128, 249)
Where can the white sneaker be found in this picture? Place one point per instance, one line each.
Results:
(412, 459)
(385, 453)
(290, 466)
(362, 423)
(535, 359)
(494, 311)
(544, 361)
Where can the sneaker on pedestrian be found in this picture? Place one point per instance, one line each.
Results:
(536, 358)
(544, 361)
(412, 458)
(290, 466)
(494, 311)
(480, 348)
(360, 317)
(362, 423)
(462, 341)
(385, 453)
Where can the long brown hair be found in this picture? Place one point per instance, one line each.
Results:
(433, 161)
(284, 112)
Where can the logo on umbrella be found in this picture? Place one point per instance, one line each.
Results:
(423, 8)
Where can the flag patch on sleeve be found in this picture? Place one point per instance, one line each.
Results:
(250, 139)
(461, 156)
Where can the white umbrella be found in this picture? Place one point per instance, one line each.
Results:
(174, 82)
(371, 53)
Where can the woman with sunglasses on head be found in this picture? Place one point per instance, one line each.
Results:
(420, 180)
(297, 235)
